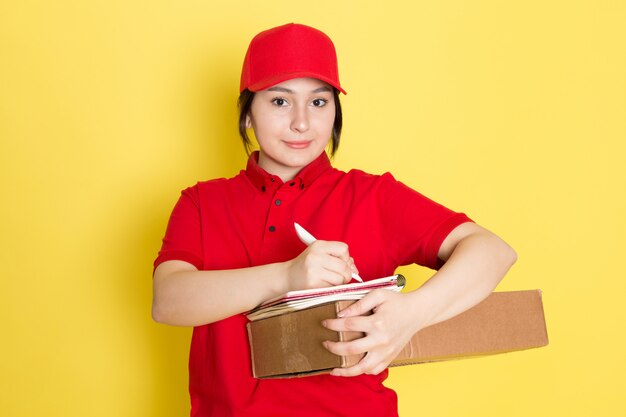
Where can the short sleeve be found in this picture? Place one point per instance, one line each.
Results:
(414, 226)
(183, 236)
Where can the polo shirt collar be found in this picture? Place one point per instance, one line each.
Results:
(263, 180)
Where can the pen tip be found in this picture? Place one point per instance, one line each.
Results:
(357, 278)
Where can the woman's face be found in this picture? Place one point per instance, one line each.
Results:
(292, 122)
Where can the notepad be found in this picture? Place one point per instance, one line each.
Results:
(298, 300)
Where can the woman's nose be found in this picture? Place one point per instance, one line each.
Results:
(300, 120)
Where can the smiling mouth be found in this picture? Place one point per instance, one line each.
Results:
(298, 144)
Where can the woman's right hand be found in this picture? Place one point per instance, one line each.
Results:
(323, 264)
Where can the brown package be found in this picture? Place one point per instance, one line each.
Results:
(291, 344)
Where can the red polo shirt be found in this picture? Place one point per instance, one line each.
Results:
(248, 220)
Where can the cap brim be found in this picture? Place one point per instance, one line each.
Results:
(270, 81)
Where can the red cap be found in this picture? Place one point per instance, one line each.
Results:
(286, 52)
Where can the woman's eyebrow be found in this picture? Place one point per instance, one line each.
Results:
(281, 89)
(322, 89)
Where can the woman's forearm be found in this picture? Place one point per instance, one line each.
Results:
(474, 268)
(184, 296)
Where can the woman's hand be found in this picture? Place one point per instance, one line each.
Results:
(322, 264)
(475, 261)
(387, 330)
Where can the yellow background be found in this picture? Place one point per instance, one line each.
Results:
(514, 112)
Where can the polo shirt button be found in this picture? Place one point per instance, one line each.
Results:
(263, 188)
(278, 202)
(291, 184)
(272, 229)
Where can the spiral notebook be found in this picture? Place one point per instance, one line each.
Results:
(298, 300)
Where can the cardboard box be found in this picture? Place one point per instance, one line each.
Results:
(291, 344)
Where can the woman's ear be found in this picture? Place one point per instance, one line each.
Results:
(248, 122)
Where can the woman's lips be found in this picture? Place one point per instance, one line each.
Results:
(300, 144)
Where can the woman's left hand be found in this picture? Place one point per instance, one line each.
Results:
(475, 261)
(387, 330)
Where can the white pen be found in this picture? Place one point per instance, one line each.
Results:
(308, 240)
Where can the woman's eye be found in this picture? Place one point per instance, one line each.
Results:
(279, 101)
(319, 102)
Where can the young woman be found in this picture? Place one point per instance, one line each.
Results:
(230, 244)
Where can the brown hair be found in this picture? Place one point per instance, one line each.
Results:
(244, 103)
